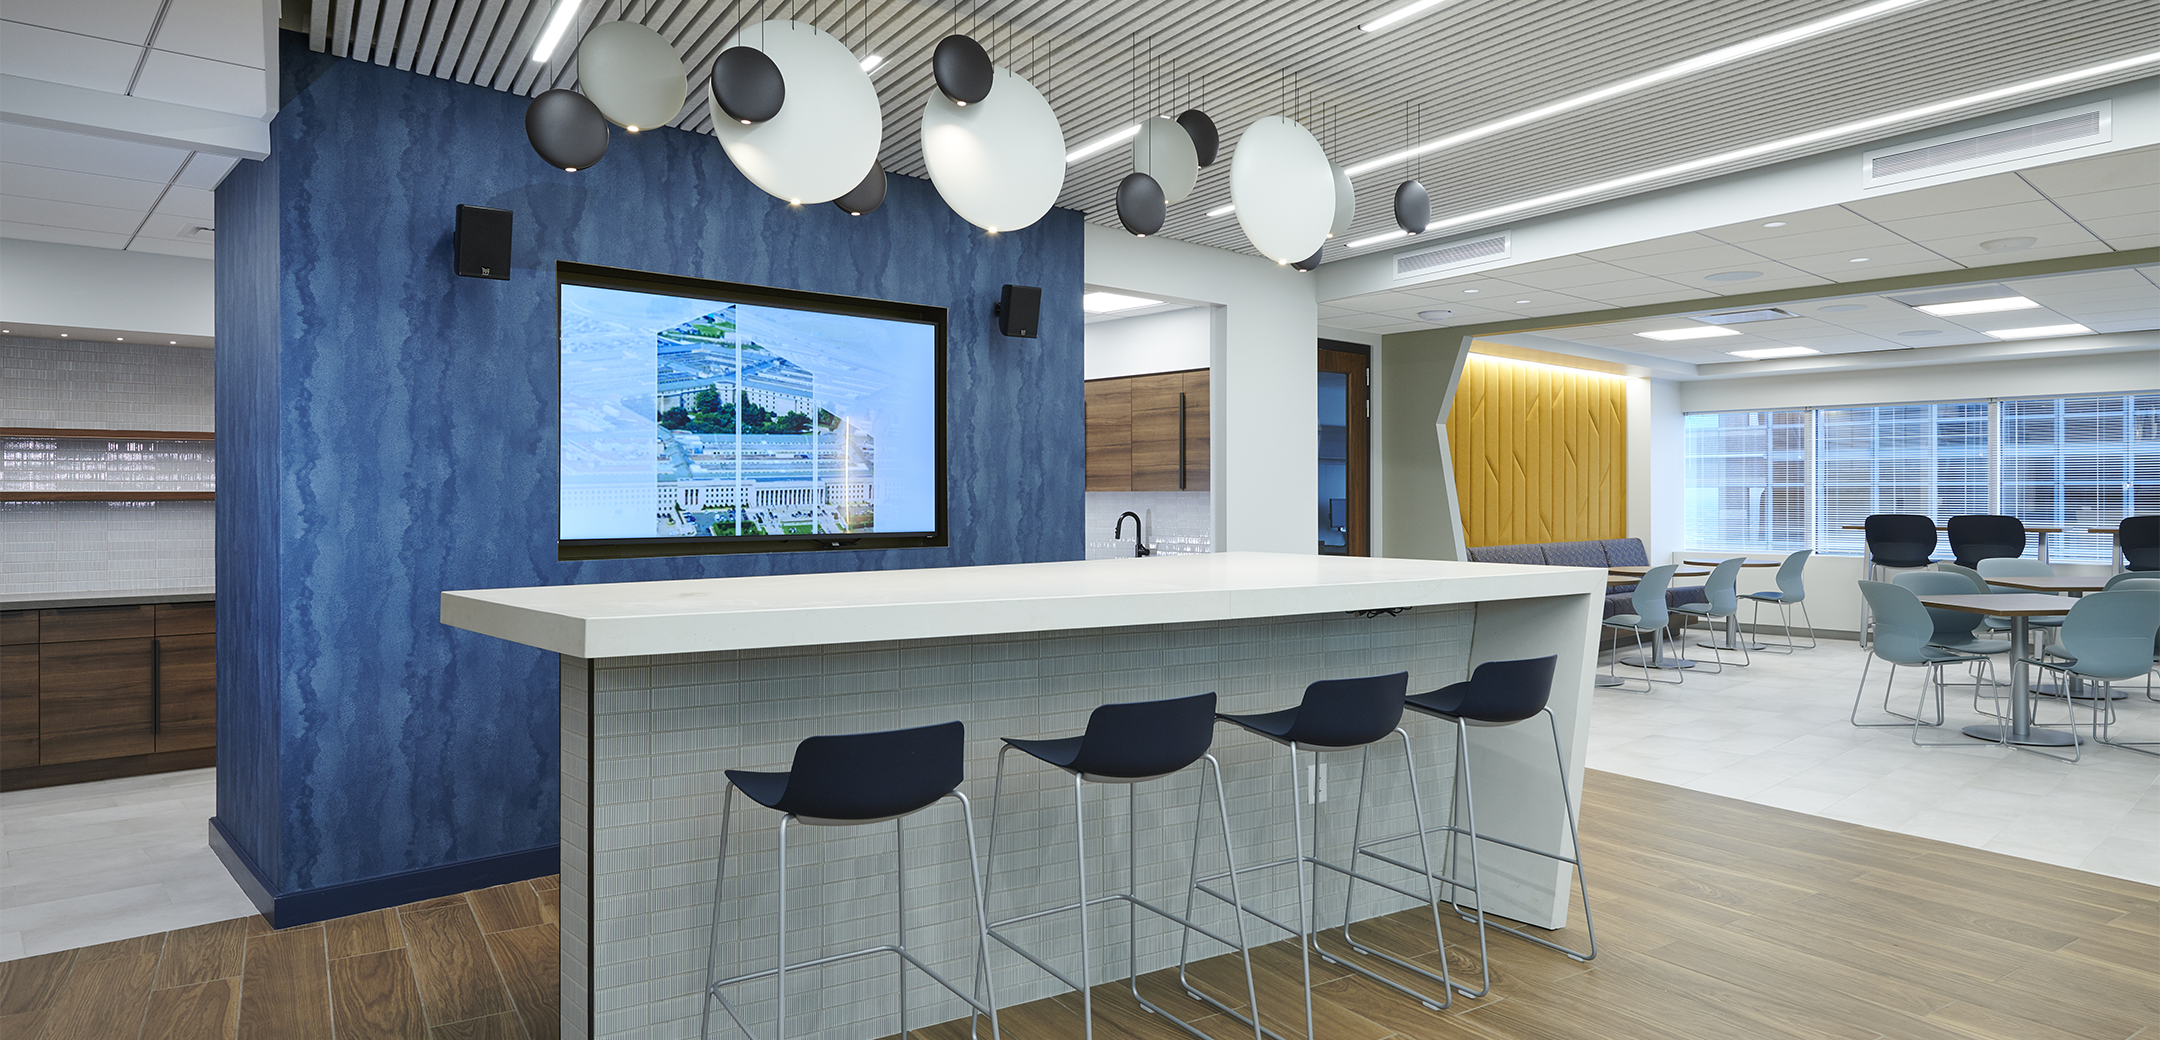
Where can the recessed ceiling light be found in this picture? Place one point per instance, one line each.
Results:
(1784, 144)
(2038, 331)
(1473, 290)
(1773, 352)
(1522, 301)
(1691, 332)
(1111, 303)
(1857, 260)
(1373, 240)
(1732, 276)
(1684, 67)
(174, 342)
(1842, 308)
(557, 23)
(2009, 245)
(871, 63)
(1916, 333)
(63, 335)
(119, 339)
(1437, 317)
(2000, 303)
(1774, 223)
(1103, 143)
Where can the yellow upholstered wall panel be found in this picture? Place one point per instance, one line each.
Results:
(1540, 452)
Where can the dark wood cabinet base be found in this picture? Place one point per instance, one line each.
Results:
(106, 769)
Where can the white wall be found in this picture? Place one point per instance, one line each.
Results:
(46, 283)
(1263, 390)
(1173, 341)
(1656, 464)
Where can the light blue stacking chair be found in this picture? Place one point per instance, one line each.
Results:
(2005, 568)
(1724, 605)
(1954, 628)
(1791, 592)
(1903, 631)
(2107, 636)
(1650, 618)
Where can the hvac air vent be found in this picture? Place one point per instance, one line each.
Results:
(1986, 146)
(1425, 263)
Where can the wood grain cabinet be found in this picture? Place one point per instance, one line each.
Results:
(1148, 433)
(90, 693)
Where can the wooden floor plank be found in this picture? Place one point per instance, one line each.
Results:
(103, 999)
(493, 1027)
(373, 997)
(364, 933)
(202, 1011)
(531, 965)
(30, 983)
(506, 907)
(203, 953)
(457, 977)
(285, 987)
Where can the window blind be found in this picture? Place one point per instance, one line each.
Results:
(1747, 480)
(2079, 462)
(1930, 459)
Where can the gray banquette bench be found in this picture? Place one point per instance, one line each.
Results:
(1611, 552)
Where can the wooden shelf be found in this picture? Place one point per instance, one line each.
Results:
(107, 496)
(107, 435)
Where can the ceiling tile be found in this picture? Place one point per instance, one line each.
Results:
(1878, 269)
(59, 57)
(2133, 240)
(176, 227)
(2059, 234)
(193, 203)
(40, 182)
(205, 171)
(1839, 266)
(1654, 246)
(201, 250)
(1860, 234)
(2138, 200)
(222, 30)
(2109, 172)
(37, 146)
(1973, 256)
(1633, 285)
(1989, 220)
(1774, 277)
(1573, 277)
(1647, 298)
(127, 21)
(20, 210)
(1715, 257)
(2002, 189)
(187, 80)
(68, 236)
(1804, 222)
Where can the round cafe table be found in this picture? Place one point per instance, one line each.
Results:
(2077, 587)
(2019, 608)
(1732, 624)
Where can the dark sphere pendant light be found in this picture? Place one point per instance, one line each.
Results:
(1413, 208)
(748, 85)
(1205, 138)
(1140, 204)
(962, 69)
(867, 196)
(1310, 262)
(566, 129)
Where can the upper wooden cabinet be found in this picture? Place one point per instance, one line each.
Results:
(1148, 433)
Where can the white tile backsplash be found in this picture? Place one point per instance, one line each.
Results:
(1176, 522)
(91, 547)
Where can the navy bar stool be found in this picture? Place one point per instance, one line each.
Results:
(1896, 540)
(1130, 744)
(854, 780)
(1498, 693)
(1985, 536)
(1343, 715)
(2139, 540)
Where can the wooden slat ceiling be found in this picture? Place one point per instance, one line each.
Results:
(1465, 64)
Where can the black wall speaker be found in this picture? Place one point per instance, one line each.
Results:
(483, 242)
(1018, 309)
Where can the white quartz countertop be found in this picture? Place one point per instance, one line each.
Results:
(633, 619)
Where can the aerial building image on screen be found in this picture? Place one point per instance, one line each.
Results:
(699, 418)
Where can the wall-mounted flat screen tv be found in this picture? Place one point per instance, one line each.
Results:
(707, 417)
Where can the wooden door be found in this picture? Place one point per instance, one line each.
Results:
(1157, 437)
(94, 700)
(186, 692)
(1109, 434)
(1344, 471)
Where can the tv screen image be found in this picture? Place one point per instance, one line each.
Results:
(702, 417)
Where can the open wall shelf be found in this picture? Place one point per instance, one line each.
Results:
(58, 433)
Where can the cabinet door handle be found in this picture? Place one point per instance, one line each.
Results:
(157, 684)
(1181, 442)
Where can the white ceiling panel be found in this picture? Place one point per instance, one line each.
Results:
(188, 80)
(1685, 262)
(35, 52)
(1989, 221)
(193, 203)
(2120, 202)
(1648, 298)
(221, 30)
(1578, 278)
(1848, 266)
(1769, 276)
(127, 21)
(2101, 173)
(37, 146)
(2061, 232)
(21, 210)
(1857, 233)
(1971, 255)
(175, 227)
(146, 244)
(39, 182)
(1756, 235)
(66, 236)
(205, 171)
(1654, 247)
(2002, 189)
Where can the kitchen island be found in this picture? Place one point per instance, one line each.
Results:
(666, 684)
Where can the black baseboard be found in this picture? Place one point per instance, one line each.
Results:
(358, 897)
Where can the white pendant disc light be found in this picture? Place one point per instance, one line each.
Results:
(1164, 151)
(632, 74)
(999, 162)
(1345, 201)
(1283, 189)
(817, 147)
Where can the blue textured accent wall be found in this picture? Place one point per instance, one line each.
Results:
(388, 432)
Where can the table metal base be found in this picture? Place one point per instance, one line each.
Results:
(2048, 689)
(1608, 681)
(2034, 736)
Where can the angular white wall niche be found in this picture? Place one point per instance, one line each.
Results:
(1000, 162)
(826, 135)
